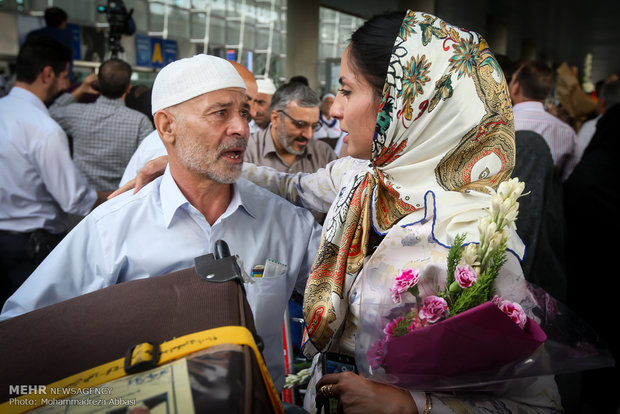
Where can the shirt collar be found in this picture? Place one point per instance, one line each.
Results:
(108, 101)
(270, 148)
(172, 199)
(327, 123)
(529, 106)
(26, 95)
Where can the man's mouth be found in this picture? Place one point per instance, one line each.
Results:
(233, 154)
(301, 140)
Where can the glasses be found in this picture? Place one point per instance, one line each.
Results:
(302, 124)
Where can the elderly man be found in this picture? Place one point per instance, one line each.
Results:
(152, 146)
(287, 143)
(201, 114)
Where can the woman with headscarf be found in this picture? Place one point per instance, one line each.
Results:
(429, 136)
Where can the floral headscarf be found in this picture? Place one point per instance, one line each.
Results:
(444, 126)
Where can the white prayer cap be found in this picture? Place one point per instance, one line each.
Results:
(328, 95)
(266, 86)
(187, 78)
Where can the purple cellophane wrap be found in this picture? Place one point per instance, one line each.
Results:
(476, 340)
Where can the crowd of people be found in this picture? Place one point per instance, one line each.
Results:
(320, 185)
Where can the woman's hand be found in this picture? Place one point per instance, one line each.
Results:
(148, 173)
(359, 395)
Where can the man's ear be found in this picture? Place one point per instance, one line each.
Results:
(47, 75)
(275, 118)
(165, 124)
(515, 90)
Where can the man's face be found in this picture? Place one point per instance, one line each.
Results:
(211, 133)
(261, 106)
(512, 84)
(293, 134)
(326, 105)
(251, 93)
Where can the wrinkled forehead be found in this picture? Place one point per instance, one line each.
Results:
(227, 97)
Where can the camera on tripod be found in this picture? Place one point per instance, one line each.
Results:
(120, 21)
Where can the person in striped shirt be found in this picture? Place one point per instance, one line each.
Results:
(529, 87)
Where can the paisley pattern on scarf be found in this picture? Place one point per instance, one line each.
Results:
(444, 125)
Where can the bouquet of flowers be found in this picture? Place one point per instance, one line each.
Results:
(432, 336)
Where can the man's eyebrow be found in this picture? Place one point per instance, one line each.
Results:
(245, 105)
(218, 105)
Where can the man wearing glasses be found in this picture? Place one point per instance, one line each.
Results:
(286, 144)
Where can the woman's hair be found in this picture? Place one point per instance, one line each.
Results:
(371, 47)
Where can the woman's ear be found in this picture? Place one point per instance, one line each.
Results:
(165, 124)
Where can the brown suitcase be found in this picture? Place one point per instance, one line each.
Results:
(54, 342)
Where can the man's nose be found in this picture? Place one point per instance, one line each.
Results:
(253, 110)
(307, 132)
(239, 126)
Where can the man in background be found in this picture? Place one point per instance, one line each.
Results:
(56, 28)
(287, 144)
(261, 102)
(330, 127)
(529, 87)
(38, 181)
(105, 133)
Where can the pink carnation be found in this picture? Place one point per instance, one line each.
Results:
(391, 329)
(407, 279)
(465, 275)
(376, 354)
(513, 310)
(416, 323)
(433, 309)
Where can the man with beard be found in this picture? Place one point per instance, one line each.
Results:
(287, 144)
(38, 181)
(201, 114)
(152, 146)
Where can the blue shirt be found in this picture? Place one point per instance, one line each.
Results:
(38, 180)
(157, 231)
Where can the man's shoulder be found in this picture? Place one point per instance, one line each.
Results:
(258, 136)
(135, 113)
(29, 115)
(128, 204)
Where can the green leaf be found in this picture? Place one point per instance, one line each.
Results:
(454, 257)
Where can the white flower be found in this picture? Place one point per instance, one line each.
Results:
(470, 255)
(487, 229)
(510, 189)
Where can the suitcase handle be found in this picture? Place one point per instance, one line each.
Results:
(219, 267)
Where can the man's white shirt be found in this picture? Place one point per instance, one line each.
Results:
(157, 231)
